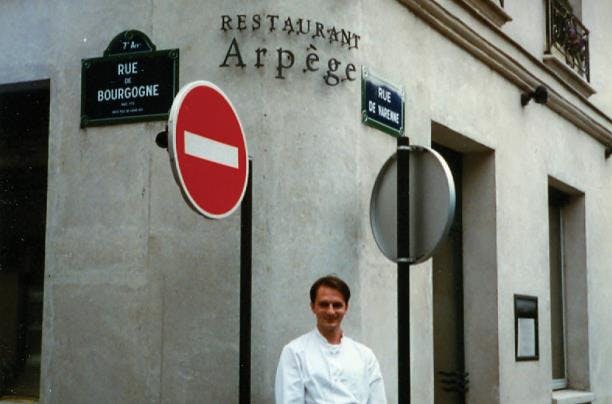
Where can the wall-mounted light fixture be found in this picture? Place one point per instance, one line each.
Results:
(162, 139)
(540, 95)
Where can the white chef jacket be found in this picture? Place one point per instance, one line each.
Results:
(313, 371)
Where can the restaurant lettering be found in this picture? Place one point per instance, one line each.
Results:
(333, 70)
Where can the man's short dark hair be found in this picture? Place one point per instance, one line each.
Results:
(332, 282)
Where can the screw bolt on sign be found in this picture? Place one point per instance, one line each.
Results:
(208, 150)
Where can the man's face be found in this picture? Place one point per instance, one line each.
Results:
(329, 308)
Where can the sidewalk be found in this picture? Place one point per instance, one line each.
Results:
(18, 400)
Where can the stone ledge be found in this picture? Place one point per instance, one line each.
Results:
(568, 75)
(572, 397)
(488, 10)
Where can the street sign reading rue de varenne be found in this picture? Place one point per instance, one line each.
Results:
(382, 103)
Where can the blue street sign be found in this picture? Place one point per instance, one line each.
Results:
(382, 104)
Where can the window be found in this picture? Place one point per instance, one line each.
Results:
(576, 7)
(567, 44)
(569, 313)
(557, 289)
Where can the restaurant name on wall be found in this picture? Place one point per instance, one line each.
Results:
(335, 70)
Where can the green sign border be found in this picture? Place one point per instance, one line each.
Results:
(366, 74)
(87, 63)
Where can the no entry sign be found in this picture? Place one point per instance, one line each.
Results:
(208, 151)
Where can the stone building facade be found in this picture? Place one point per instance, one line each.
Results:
(138, 296)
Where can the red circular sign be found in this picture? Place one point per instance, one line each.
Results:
(208, 150)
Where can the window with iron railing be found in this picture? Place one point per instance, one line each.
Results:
(566, 36)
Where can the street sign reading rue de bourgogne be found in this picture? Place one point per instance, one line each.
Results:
(132, 82)
(208, 150)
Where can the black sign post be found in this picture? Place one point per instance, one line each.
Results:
(132, 82)
(382, 104)
(382, 107)
(246, 294)
(403, 269)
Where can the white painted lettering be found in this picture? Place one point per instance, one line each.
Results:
(389, 115)
(126, 93)
(127, 68)
(384, 94)
(372, 106)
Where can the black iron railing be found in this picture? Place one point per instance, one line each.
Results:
(566, 34)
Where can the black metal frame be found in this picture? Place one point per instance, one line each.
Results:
(566, 33)
(523, 313)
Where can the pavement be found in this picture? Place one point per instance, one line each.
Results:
(18, 400)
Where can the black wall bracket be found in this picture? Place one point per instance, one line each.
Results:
(162, 139)
(540, 95)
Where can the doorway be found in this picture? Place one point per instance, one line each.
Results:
(24, 133)
(450, 381)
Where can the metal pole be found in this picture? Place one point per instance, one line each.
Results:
(246, 211)
(403, 269)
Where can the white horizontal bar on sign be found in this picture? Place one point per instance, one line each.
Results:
(211, 150)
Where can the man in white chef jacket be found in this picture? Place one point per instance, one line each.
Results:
(324, 366)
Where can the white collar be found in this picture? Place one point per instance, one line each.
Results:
(331, 348)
